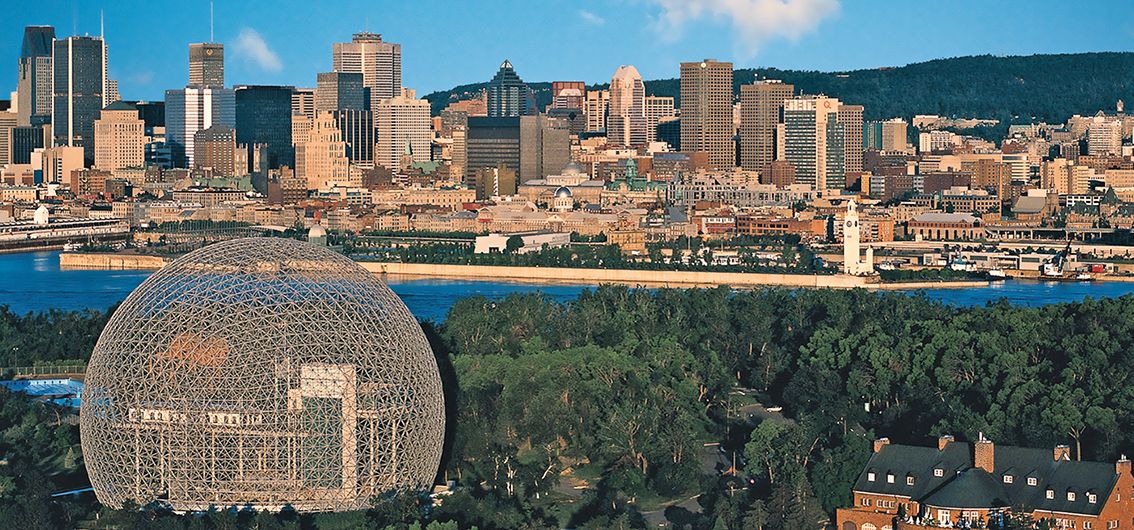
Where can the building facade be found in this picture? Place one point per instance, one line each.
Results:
(379, 62)
(192, 109)
(263, 116)
(761, 110)
(626, 118)
(206, 64)
(814, 142)
(79, 88)
(402, 124)
(508, 95)
(120, 138)
(35, 76)
(706, 111)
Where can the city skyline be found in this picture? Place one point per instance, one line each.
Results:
(654, 35)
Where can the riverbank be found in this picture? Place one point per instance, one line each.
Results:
(647, 278)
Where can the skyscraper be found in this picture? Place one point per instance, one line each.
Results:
(34, 85)
(379, 62)
(658, 109)
(545, 146)
(508, 95)
(264, 116)
(567, 94)
(79, 65)
(706, 111)
(8, 122)
(191, 109)
(851, 118)
(357, 127)
(120, 138)
(206, 64)
(322, 160)
(761, 109)
(340, 91)
(399, 122)
(215, 148)
(814, 142)
(626, 117)
(595, 106)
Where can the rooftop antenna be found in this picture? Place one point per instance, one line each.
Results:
(101, 26)
(211, 38)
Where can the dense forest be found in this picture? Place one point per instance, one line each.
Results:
(596, 413)
(1018, 89)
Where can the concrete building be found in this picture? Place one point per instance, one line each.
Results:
(58, 163)
(79, 88)
(119, 137)
(761, 110)
(497, 181)
(379, 62)
(1104, 136)
(191, 109)
(850, 116)
(889, 135)
(206, 64)
(595, 107)
(545, 146)
(35, 79)
(530, 242)
(8, 121)
(340, 91)
(303, 102)
(658, 109)
(508, 95)
(215, 149)
(626, 117)
(490, 143)
(567, 94)
(706, 111)
(814, 142)
(400, 122)
(322, 161)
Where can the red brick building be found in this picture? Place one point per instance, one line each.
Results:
(958, 484)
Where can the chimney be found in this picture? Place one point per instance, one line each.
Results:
(1122, 466)
(880, 443)
(944, 440)
(1062, 452)
(984, 454)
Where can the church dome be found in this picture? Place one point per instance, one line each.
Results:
(573, 169)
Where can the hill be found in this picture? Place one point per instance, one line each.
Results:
(1044, 87)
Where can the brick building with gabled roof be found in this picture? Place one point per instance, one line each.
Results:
(958, 484)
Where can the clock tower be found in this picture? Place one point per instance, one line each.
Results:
(852, 236)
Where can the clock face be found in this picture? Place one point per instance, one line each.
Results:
(208, 52)
(850, 224)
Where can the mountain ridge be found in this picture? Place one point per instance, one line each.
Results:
(1018, 88)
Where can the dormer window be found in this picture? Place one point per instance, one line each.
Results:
(870, 476)
(1007, 479)
(909, 480)
(1031, 481)
(938, 472)
(1050, 494)
(889, 478)
(1092, 498)
(1070, 495)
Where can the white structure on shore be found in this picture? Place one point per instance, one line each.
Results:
(852, 263)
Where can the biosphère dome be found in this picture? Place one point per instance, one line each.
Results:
(261, 372)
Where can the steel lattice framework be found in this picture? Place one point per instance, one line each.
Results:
(261, 372)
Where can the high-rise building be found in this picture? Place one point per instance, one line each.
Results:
(8, 121)
(595, 107)
(215, 149)
(400, 122)
(761, 110)
(508, 95)
(264, 116)
(851, 118)
(303, 102)
(888, 135)
(357, 127)
(206, 64)
(120, 138)
(25, 140)
(340, 91)
(567, 94)
(814, 142)
(545, 146)
(1104, 136)
(490, 143)
(499, 181)
(626, 117)
(379, 62)
(706, 111)
(34, 85)
(321, 161)
(191, 109)
(658, 108)
(112, 94)
(58, 163)
(79, 88)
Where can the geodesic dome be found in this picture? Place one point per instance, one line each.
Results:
(261, 372)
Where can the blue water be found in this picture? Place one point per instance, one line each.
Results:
(33, 281)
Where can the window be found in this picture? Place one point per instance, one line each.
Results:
(1092, 498)
(1031, 481)
(870, 476)
(909, 481)
(938, 472)
(1086, 525)
(1050, 494)
(865, 501)
(1007, 479)
(868, 526)
(1070, 495)
(890, 478)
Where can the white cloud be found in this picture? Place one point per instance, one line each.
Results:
(251, 46)
(754, 21)
(591, 18)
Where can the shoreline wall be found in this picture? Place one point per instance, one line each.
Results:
(115, 261)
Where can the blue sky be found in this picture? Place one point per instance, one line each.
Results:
(446, 43)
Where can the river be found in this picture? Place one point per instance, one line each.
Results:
(33, 281)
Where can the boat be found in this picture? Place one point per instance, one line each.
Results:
(72, 247)
(997, 274)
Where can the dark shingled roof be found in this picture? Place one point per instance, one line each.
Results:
(964, 486)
